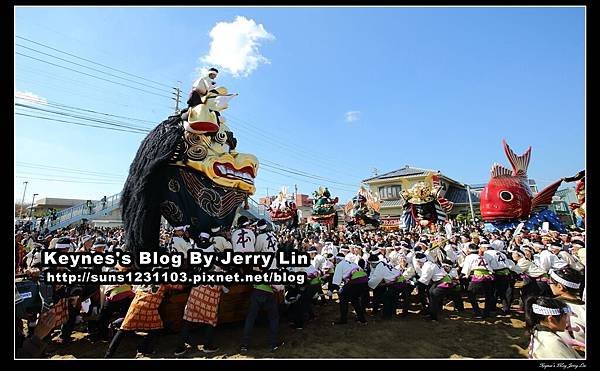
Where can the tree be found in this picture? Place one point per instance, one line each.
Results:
(461, 218)
(21, 209)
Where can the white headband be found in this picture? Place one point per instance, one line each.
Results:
(563, 281)
(204, 235)
(215, 229)
(62, 246)
(261, 227)
(538, 309)
(422, 260)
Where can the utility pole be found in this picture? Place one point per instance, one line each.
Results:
(295, 192)
(470, 203)
(177, 96)
(23, 200)
(32, 201)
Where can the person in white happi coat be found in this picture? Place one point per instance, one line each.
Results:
(266, 241)
(303, 306)
(393, 256)
(455, 286)
(351, 255)
(431, 278)
(355, 284)
(545, 319)
(329, 248)
(219, 241)
(420, 247)
(451, 252)
(435, 254)
(565, 284)
(572, 262)
(387, 283)
(179, 243)
(578, 249)
(387, 250)
(478, 268)
(557, 263)
(327, 270)
(543, 258)
(503, 279)
(243, 238)
(316, 260)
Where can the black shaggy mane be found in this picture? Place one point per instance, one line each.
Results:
(141, 195)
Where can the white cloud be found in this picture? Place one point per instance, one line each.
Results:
(352, 116)
(234, 46)
(30, 97)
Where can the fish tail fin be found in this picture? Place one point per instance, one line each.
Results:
(518, 163)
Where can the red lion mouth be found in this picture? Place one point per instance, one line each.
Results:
(205, 126)
(226, 170)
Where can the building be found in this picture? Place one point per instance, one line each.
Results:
(560, 205)
(388, 187)
(42, 206)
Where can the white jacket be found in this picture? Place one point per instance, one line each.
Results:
(181, 245)
(220, 243)
(474, 261)
(266, 242)
(430, 272)
(383, 272)
(549, 345)
(341, 271)
(243, 240)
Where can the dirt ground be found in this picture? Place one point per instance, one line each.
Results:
(454, 336)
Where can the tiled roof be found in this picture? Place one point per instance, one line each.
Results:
(405, 171)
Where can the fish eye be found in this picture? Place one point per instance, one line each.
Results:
(506, 196)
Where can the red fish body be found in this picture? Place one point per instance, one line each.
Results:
(507, 196)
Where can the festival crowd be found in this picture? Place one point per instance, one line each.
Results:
(536, 273)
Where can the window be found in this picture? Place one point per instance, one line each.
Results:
(390, 192)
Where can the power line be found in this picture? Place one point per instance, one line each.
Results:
(287, 170)
(77, 123)
(82, 92)
(307, 175)
(90, 61)
(96, 77)
(71, 177)
(61, 180)
(111, 123)
(301, 154)
(83, 109)
(287, 149)
(90, 68)
(76, 109)
(269, 184)
(70, 170)
(304, 180)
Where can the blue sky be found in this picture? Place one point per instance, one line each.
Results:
(338, 91)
